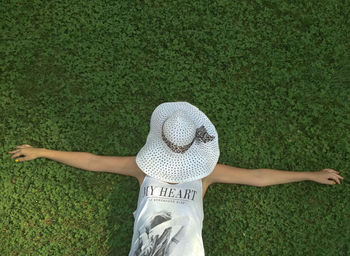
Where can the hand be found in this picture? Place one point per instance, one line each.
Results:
(326, 176)
(27, 151)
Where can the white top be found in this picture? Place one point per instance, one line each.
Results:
(168, 219)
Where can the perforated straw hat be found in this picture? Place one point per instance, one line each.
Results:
(182, 144)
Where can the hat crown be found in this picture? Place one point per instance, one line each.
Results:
(179, 128)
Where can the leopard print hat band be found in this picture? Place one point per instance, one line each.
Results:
(201, 135)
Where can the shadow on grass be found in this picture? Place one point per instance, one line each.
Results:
(123, 200)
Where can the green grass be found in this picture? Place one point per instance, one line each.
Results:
(272, 76)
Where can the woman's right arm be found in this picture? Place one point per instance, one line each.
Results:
(124, 165)
(80, 160)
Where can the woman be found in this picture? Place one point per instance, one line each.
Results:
(174, 169)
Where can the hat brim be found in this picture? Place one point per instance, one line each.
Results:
(157, 160)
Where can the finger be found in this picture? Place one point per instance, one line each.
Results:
(340, 177)
(22, 159)
(335, 180)
(333, 171)
(331, 182)
(332, 177)
(16, 155)
(337, 177)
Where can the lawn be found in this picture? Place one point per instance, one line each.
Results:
(272, 76)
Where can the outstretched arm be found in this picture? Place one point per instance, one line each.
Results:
(125, 165)
(325, 176)
(228, 174)
(267, 177)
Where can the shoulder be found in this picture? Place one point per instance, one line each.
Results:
(210, 179)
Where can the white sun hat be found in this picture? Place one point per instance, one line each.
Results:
(182, 144)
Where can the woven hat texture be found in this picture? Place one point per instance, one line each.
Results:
(182, 144)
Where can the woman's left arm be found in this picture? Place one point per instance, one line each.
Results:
(272, 177)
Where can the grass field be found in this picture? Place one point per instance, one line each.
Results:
(272, 76)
